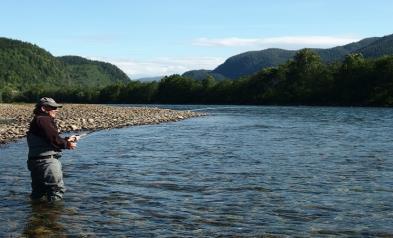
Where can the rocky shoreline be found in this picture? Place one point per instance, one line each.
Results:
(15, 118)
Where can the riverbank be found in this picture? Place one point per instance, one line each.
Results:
(15, 118)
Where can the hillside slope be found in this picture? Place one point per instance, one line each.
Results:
(24, 66)
(251, 62)
(92, 73)
(202, 74)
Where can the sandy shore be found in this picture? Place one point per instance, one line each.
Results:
(15, 118)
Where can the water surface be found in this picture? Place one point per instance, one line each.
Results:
(240, 171)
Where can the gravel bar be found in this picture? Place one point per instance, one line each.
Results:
(15, 118)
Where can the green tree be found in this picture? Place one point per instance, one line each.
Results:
(177, 89)
(111, 93)
(303, 73)
(382, 92)
(353, 82)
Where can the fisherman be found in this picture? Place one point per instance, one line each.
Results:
(45, 145)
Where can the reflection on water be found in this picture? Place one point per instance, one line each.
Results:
(43, 220)
(241, 171)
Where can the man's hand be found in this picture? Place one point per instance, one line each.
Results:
(71, 145)
(71, 142)
(74, 138)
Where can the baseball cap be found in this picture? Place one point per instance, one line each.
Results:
(45, 101)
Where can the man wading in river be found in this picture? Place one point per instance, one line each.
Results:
(45, 145)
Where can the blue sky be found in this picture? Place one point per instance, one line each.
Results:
(162, 37)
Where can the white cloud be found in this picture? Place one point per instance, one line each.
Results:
(285, 42)
(162, 66)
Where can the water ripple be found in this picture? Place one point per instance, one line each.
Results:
(239, 172)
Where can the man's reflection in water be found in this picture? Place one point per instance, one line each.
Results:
(44, 220)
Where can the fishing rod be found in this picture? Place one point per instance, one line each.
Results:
(84, 135)
(78, 137)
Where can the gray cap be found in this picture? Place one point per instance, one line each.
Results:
(48, 102)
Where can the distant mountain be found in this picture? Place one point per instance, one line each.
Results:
(249, 63)
(149, 79)
(24, 65)
(379, 47)
(202, 74)
(339, 52)
(91, 72)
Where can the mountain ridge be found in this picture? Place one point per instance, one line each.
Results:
(250, 62)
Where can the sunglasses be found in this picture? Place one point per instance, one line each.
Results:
(49, 108)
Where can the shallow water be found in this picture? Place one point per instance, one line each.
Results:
(241, 170)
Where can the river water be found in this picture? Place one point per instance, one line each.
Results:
(240, 171)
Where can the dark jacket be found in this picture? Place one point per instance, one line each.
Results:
(43, 137)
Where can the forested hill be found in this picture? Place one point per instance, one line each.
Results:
(202, 74)
(381, 46)
(91, 72)
(24, 66)
(249, 63)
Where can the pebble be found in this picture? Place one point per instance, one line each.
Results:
(15, 118)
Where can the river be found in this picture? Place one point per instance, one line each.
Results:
(239, 171)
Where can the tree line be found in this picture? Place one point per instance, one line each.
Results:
(304, 80)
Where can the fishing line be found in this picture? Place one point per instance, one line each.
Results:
(211, 108)
(84, 135)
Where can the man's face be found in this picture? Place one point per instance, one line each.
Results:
(52, 111)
